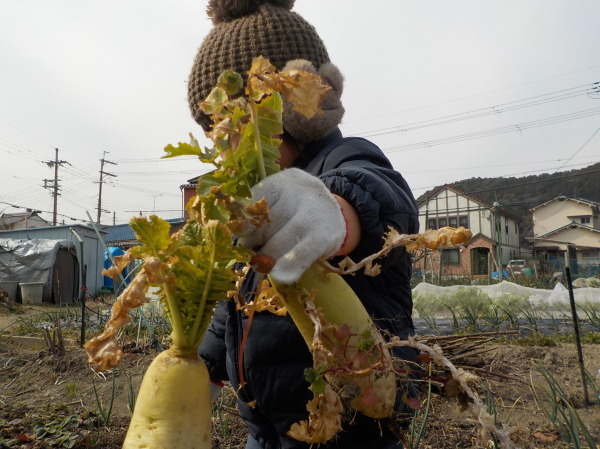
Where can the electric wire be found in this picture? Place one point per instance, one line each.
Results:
(483, 112)
(580, 148)
(495, 131)
(479, 167)
(521, 184)
(595, 88)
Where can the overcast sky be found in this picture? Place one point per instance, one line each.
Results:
(449, 90)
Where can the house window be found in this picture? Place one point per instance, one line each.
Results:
(463, 221)
(586, 220)
(442, 222)
(450, 256)
(452, 221)
(432, 223)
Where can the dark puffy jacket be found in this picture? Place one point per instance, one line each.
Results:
(274, 353)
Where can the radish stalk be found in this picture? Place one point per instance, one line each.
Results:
(193, 270)
(358, 362)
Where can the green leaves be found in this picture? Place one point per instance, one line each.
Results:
(366, 340)
(214, 101)
(315, 377)
(195, 266)
(182, 149)
(153, 232)
(202, 274)
(208, 155)
(61, 433)
(230, 82)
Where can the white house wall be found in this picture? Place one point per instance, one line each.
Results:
(483, 222)
(555, 215)
(447, 203)
(577, 236)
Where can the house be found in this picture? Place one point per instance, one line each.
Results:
(495, 231)
(188, 191)
(567, 230)
(22, 220)
(120, 236)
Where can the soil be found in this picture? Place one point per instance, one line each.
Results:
(49, 399)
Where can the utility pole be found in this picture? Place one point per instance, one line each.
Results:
(53, 184)
(426, 228)
(102, 173)
(498, 226)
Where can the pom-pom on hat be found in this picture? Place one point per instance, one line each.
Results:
(245, 29)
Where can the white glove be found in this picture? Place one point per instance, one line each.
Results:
(306, 223)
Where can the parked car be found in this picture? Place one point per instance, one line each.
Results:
(516, 266)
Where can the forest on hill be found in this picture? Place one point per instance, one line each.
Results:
(519, 195)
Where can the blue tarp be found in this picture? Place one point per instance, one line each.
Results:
(114, 251)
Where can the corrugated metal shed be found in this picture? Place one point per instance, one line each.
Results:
(93, 249)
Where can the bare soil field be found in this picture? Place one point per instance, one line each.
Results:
(50, 400)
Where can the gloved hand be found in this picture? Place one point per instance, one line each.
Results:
(306, 223)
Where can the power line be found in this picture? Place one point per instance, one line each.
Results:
(580, 148)
(483, 112)
(40, 211)
(520, 163)
(495, 131)
(159, 159)
(477, 95)
(539, 181)
(144, 190)
(27, 133)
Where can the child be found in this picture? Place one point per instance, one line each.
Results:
(335, 196)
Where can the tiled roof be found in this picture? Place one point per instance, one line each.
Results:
(567, 198)
(119, 233)
(572, 225)
(8, 219)
(458, 191)
(124, 233)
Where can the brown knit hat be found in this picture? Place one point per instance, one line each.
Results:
(245, 29)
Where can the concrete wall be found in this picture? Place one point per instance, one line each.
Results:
(93, 250)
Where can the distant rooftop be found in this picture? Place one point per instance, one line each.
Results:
(567, 198)
(7, 221)
(123, 233)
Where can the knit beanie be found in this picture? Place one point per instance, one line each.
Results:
(245, 29)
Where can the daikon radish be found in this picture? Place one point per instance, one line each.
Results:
(194, 271)
(357, 360)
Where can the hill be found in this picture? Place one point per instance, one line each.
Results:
(518, 195)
